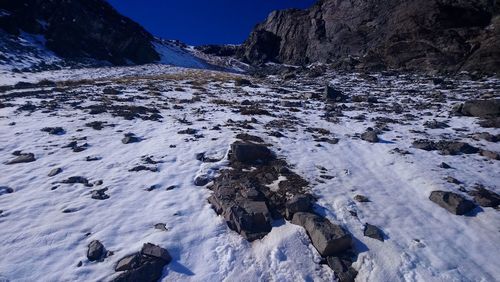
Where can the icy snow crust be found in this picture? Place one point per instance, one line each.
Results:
(38, 242)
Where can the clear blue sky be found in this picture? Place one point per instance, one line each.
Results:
(198, 22)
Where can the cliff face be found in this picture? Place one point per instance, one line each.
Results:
(446, 35)
(76, 29)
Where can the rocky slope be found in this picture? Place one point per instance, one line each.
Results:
(428, 35)
(80, 29)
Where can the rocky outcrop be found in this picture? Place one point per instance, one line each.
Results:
(428, 35)
(80, 29)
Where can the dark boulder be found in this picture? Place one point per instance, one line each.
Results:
(370, 136)
(329, 239)
(54, 130)
(333, 95)
(6, 190)
(55, 172)
(95, 250)
(299, 203)
(485, 197)
(452, 202)
(155, 251)
(22, 158)
(481, 108)
(250, 153)
(374, 232)
(342, 268)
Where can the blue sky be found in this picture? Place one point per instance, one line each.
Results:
(200, 22)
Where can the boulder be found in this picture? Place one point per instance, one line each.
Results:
(329, 239)
(250, 153)
(481, 108)
(149, 270)
(334, 95)
(95, 250)
(374, 232)
(54, 130)
(55, 172)
(299, 203)
(128, 262)
(155, 251)
(485, 197)
(370, 136)
(6, 190)
(22, 158)
(342, 268)
(452, 202)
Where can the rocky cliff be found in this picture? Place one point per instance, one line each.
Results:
(428, 35)
(80, 29)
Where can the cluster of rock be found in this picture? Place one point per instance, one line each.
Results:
(244, 197)
(428, 35)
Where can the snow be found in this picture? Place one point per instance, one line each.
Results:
(424, 242)
(174, 55)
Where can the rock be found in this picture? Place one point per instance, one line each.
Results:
(76, 179)
(155, 251)
(329, 239)
(485, 197)
(374, 232)
(242, 82)
(334, 95)
(453, 180)
(342, 268)
(54, 130)
(377, 35)
(149, 270)
(161, 226)
(299, 203)
(55, 172)
(487, 136)
(99, 194)
(250, 153)
(444, 165)
(130, 138)
(434, 124)
(370, 136)
(22, 158)
(128, 262)
(452, 202)
(490, 154)
(5, 190)
(481, 108)
(445, 147)
(201, 180)
(361, 199)
(95, 250)
(80, 32)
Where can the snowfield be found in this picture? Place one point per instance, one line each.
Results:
(46, 225)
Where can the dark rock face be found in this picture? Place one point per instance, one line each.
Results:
(329, 239)
(452, 202)
(426, 35)
(81, 29)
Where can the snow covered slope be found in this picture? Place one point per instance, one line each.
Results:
(46, 225)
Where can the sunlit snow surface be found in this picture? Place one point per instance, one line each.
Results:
(38, 242)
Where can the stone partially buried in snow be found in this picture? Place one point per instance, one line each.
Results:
(55, 172)
(329, 239)
(333, 95)
(22, 158)
(6, 190)
(155, 251)
(374, 232)
(95, 250)
(452, 202)
(250, 153)
(342, 268)
(485, 197)
(370, 136)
